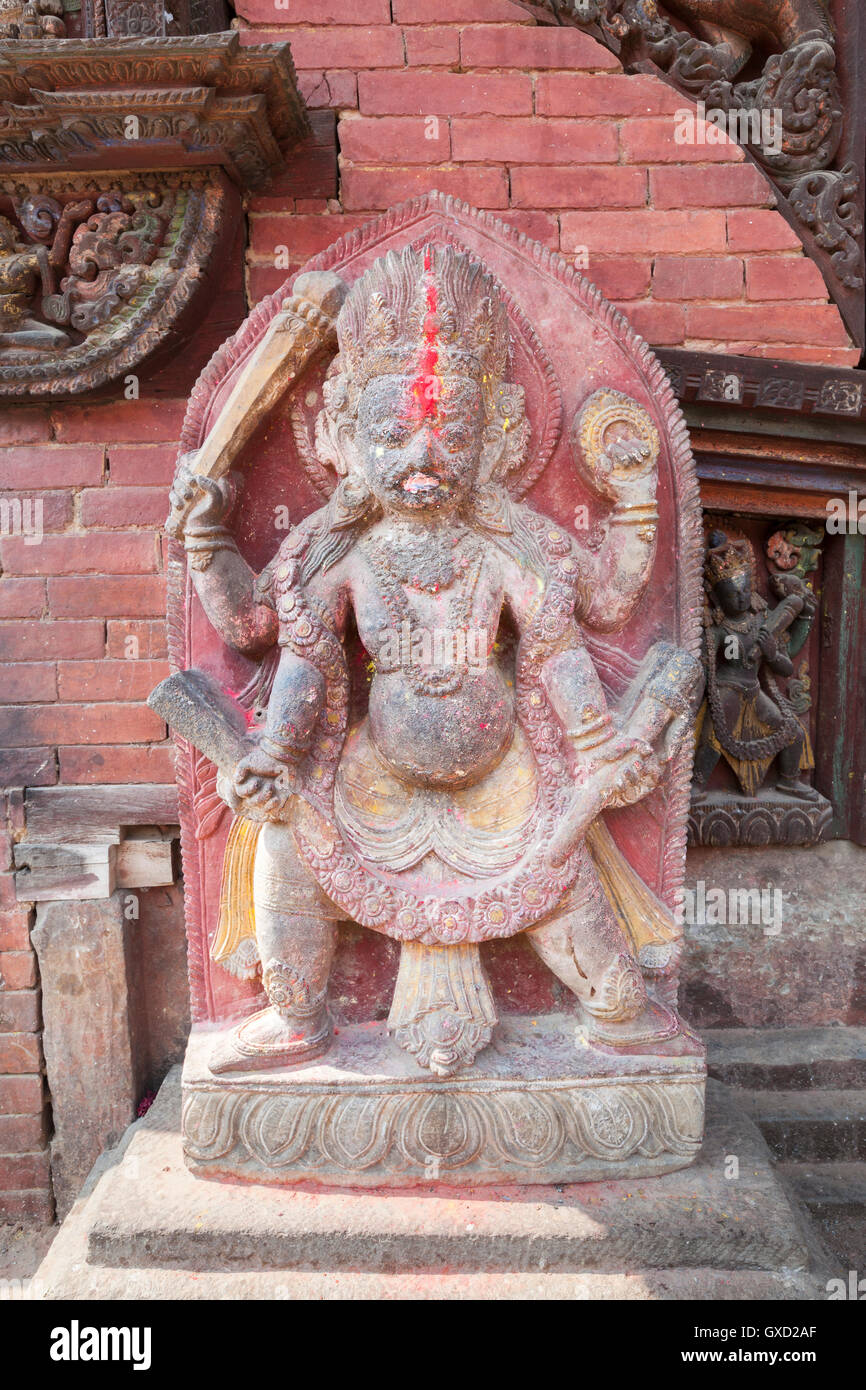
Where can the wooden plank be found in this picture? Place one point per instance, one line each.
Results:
(86, 813)
(725, 496)
(840, 752)
(144, 863)
(49, 872)
(833, 399)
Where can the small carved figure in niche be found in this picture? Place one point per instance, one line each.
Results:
(792, 555)
(747, 718)
(32, 19)
(26, 272)
(458, 808)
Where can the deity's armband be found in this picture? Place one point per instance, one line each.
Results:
(638, 516)
(663, 697)
(577, 695)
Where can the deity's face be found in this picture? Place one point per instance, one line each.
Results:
(419, 441)
(734, 595)
(780, 550)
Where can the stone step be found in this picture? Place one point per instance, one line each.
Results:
(145, 1228)
(828, 1185)
(834, 1194)
(66, 1273)
(816, 1126)
(787, 1059)
(149, 1211)
(712, 1285)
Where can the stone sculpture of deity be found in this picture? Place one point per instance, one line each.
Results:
(455, 810)
(439, 722)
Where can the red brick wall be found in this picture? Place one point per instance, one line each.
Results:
(538, 123)
(25, 1182)
(73, 686)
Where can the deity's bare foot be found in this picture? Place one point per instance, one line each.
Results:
(792, 786)
(654, 1024)
(266, 1040)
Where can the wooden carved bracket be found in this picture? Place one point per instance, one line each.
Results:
(99, 270)
(783, 79)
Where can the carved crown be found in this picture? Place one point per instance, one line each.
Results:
(430, 311)
(727, 558)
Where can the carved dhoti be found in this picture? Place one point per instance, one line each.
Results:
(403, 838)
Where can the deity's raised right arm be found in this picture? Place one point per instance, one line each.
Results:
(203, 492)
(616, 448)
(224, 582)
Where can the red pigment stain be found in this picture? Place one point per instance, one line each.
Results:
(248, 714)
(422, 403)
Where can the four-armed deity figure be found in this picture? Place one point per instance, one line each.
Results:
(748, 719)
(454, 806)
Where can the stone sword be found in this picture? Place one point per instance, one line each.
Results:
(197, 707)
(304, 325)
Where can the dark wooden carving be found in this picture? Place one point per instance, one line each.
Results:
(777, 440)
(101, 269)
(771, 438)
(33, 19)
(95, 276)
(150, 103)
(100, 19)
(786, 78)
(754, 751)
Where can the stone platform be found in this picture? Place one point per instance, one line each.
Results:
(145, 1227)
(539, 1104)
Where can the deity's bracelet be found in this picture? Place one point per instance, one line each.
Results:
(636, 511)
(208, 538)
(281, 752)
(203, 543)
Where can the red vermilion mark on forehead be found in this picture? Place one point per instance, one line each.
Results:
(423, 397)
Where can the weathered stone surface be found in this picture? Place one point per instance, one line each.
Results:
(809, 972)
(66, 1274)
(541, 1104)
(787, 1059)
(84, 950)
(810, 1126)
(159, 981)
(145, 1228)
(835, 1196)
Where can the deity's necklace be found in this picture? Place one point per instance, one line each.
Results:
(738, 625)
(427, 679)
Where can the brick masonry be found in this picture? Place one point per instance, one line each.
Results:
(472, 97)
(540, 125)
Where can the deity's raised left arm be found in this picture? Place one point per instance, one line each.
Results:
(614, 576)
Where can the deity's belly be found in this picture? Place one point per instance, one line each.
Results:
(447, 740)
